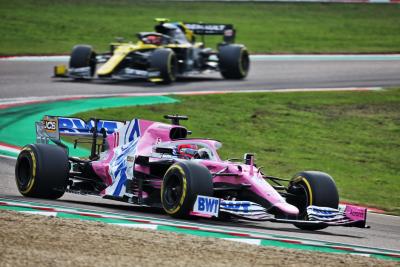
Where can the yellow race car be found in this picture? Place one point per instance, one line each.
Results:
(169, 52)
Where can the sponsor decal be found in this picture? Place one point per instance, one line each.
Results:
(206, 206)
(121, 166)
(50, 125)
(78, 126)
(79, 72)
(204, 27)
(239, 206)
(201, 28)
(47, 128)
(355, 213)
(136, 72)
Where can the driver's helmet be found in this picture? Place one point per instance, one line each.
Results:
(187, 150)
(166, 28)
(153, 39)
(173, 31)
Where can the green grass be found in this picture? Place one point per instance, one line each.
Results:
(48, 26)
(354, 136)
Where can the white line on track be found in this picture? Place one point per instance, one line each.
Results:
(306, 57)
(9, 148)
(7, 157)
(36, 58)
(313, 57)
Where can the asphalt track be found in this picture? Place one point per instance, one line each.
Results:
(27, 79)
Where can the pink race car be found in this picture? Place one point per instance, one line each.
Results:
(155, 164)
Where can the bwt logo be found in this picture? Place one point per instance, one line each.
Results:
(208, 204)
(75, 125)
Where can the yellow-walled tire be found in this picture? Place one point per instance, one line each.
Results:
(182, 183)
(42, 171)
(164, 60)
(233, 61)
(83, 56)
(312, 188)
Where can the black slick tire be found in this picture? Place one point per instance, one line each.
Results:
(83, 56)
(42, 171)
(234, 61)
(312, 188)
(182, 183)
(164, 60)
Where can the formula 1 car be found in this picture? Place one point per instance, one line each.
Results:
(163, 55)
(156, 164)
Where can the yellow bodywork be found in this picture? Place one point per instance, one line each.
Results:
(188, 33)
(120, 52)
(123, 49)
(60, 70)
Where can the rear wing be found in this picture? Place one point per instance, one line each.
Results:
(52, 127)
(227, 30)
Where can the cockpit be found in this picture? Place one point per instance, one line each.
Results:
(188, 149)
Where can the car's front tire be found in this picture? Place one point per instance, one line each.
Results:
(83, 56)
(312, 188)
(164, 60)
(182, 183)
(42, 171)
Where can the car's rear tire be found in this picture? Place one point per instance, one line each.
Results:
(182, 183)
(83, 56)
(42, 171)
(164, 60)
(312, 188)
(234, 61)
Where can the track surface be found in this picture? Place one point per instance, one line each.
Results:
(27, 79)
(23, 79)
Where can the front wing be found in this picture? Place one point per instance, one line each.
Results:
(61, 71)
(348, 215)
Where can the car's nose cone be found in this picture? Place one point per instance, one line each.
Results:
(287, 208)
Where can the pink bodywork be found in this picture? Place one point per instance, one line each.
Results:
(153, 133)
(355, 213)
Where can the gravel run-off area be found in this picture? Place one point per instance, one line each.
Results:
(34, 240)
